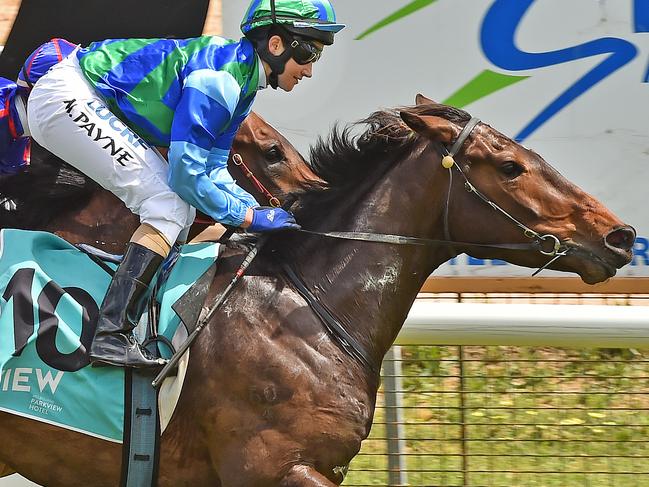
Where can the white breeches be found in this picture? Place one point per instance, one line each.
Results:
(68, 118)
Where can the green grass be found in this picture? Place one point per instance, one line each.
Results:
(527, 417)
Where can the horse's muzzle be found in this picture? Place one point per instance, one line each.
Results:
(620, 241)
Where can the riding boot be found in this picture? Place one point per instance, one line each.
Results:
(114, 342)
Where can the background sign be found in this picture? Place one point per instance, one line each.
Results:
(568, 79)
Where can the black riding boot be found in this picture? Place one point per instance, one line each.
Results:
(123, 305)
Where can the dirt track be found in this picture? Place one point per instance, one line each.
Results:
(9, 9)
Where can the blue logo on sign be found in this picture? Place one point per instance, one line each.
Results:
(498, 42)
(498, 32)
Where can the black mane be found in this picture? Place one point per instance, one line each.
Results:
(345, 156)
(348, 157)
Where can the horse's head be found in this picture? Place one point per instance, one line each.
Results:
(523, 184)
(270, 158)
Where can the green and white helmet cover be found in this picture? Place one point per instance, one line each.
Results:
(295, 14)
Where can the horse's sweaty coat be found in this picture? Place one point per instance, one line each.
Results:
(271, 399)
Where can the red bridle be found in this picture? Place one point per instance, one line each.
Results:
(238, 161)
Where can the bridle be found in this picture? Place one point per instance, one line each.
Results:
(238, 161)
(448, 162)
(538, 243)
(272, 200)
(338, 332)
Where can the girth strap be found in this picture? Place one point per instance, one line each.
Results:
(141, 446)
(142, 432)
(348, 343)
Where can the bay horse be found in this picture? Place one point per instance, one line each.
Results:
(273, 398)
(53, 196)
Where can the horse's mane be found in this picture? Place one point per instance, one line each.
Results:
(42, 191)
(349, 156)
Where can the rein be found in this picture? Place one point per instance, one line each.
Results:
(272, 200)
(347, 342)
(404, 240)
(556, 251)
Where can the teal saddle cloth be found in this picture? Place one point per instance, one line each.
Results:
(50, 295)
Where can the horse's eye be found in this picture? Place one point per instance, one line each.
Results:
(511, 169)
(274, 154)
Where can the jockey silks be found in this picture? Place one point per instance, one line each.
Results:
(41, 60)
(189, 95)
(69, 118)
(14, 148)
(14, 140)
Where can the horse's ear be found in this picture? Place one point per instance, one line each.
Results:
(423, 100)
(435, 128)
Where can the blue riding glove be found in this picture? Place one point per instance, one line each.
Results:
(267, 219)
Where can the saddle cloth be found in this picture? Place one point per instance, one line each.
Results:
(50, 295)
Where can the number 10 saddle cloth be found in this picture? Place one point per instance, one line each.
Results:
(50, 294)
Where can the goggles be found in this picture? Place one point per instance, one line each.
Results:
(305, 52)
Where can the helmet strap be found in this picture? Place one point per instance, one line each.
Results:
(273, 12)
(277, 64)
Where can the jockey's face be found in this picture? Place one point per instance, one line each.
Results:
(293, 72)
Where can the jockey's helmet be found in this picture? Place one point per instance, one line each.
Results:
(298, 23)
(313, 19)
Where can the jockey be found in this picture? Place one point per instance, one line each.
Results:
(105, 108)
(14, 130)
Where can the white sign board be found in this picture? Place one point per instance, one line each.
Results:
(567, 78)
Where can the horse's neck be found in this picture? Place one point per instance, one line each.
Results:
(370, 287)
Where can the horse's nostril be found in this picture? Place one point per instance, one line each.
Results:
(621, 239)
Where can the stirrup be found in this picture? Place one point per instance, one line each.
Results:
(121, 350)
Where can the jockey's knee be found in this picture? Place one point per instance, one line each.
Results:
(152, 239)
(168, 214)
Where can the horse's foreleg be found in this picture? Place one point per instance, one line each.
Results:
(304, 476)
(4, 470)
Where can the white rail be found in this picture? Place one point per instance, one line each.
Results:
(577, 326)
